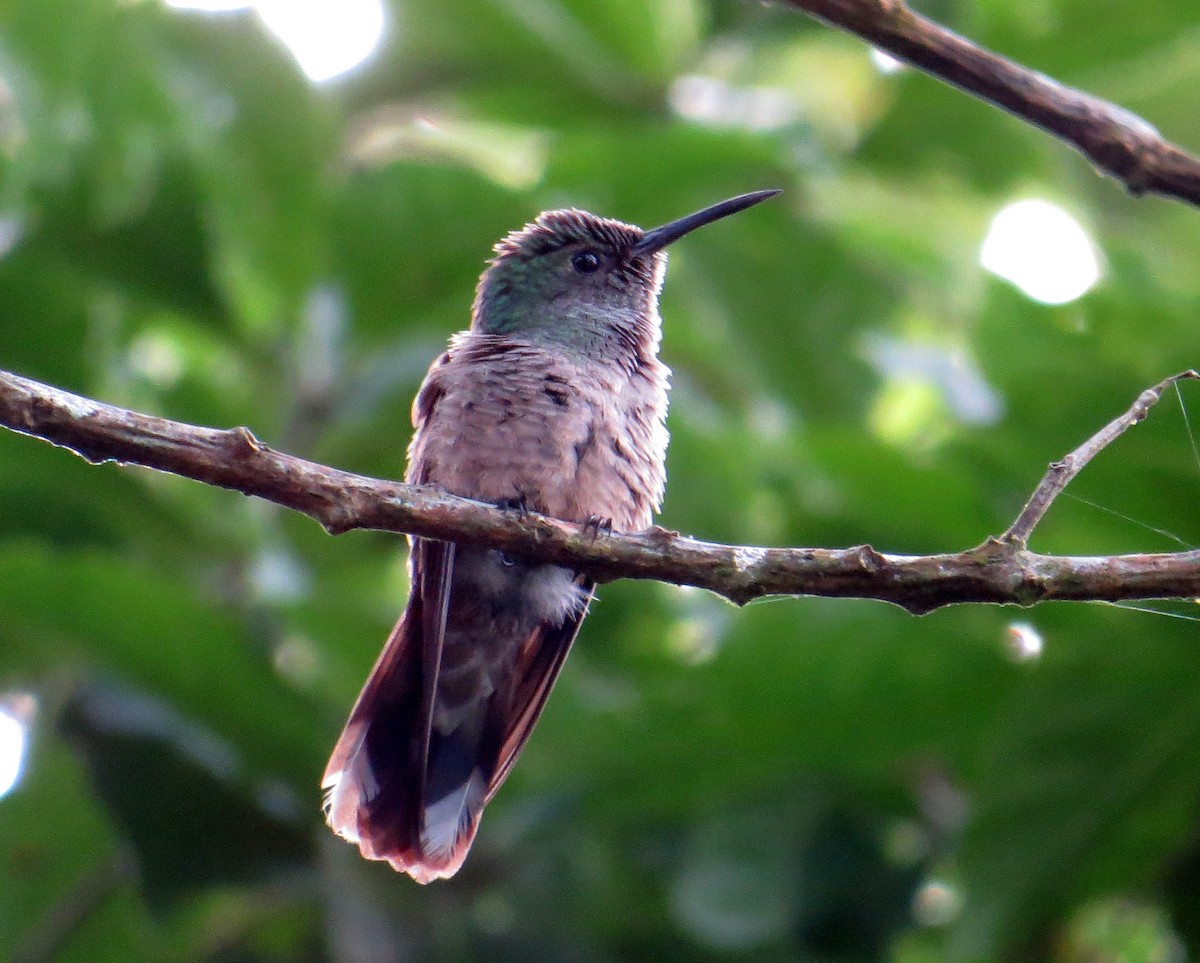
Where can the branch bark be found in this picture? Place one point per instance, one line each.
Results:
(1116, 141)
(1000, 570)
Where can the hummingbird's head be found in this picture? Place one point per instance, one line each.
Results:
(585, 282)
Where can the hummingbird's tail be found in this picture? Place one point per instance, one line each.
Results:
(449, 704)
(373, 780)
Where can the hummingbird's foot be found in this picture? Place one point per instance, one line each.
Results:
(519, 504)
(595, 524)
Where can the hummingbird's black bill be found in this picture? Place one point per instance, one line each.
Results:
(660, 237)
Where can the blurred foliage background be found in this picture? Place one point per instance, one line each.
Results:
(190, 226)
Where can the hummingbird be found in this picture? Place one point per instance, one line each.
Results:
(553, 401)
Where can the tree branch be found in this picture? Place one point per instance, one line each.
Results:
(1116, 141)
(1060, 473)
(1000, 570)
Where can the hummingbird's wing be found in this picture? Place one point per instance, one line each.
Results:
(540, 661)
(433, 577)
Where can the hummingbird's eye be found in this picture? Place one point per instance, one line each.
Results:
(586, 262)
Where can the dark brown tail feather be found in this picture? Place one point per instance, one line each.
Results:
(368, 804)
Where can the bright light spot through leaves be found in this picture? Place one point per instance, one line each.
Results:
(936, 904)
(327, 37)
(885, 63)
(15, 713)
(1024, 641)
(1042, 250)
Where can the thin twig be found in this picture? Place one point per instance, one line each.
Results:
(1059, 474)
(64, 918)
(1000, 570)
(1116, 141)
